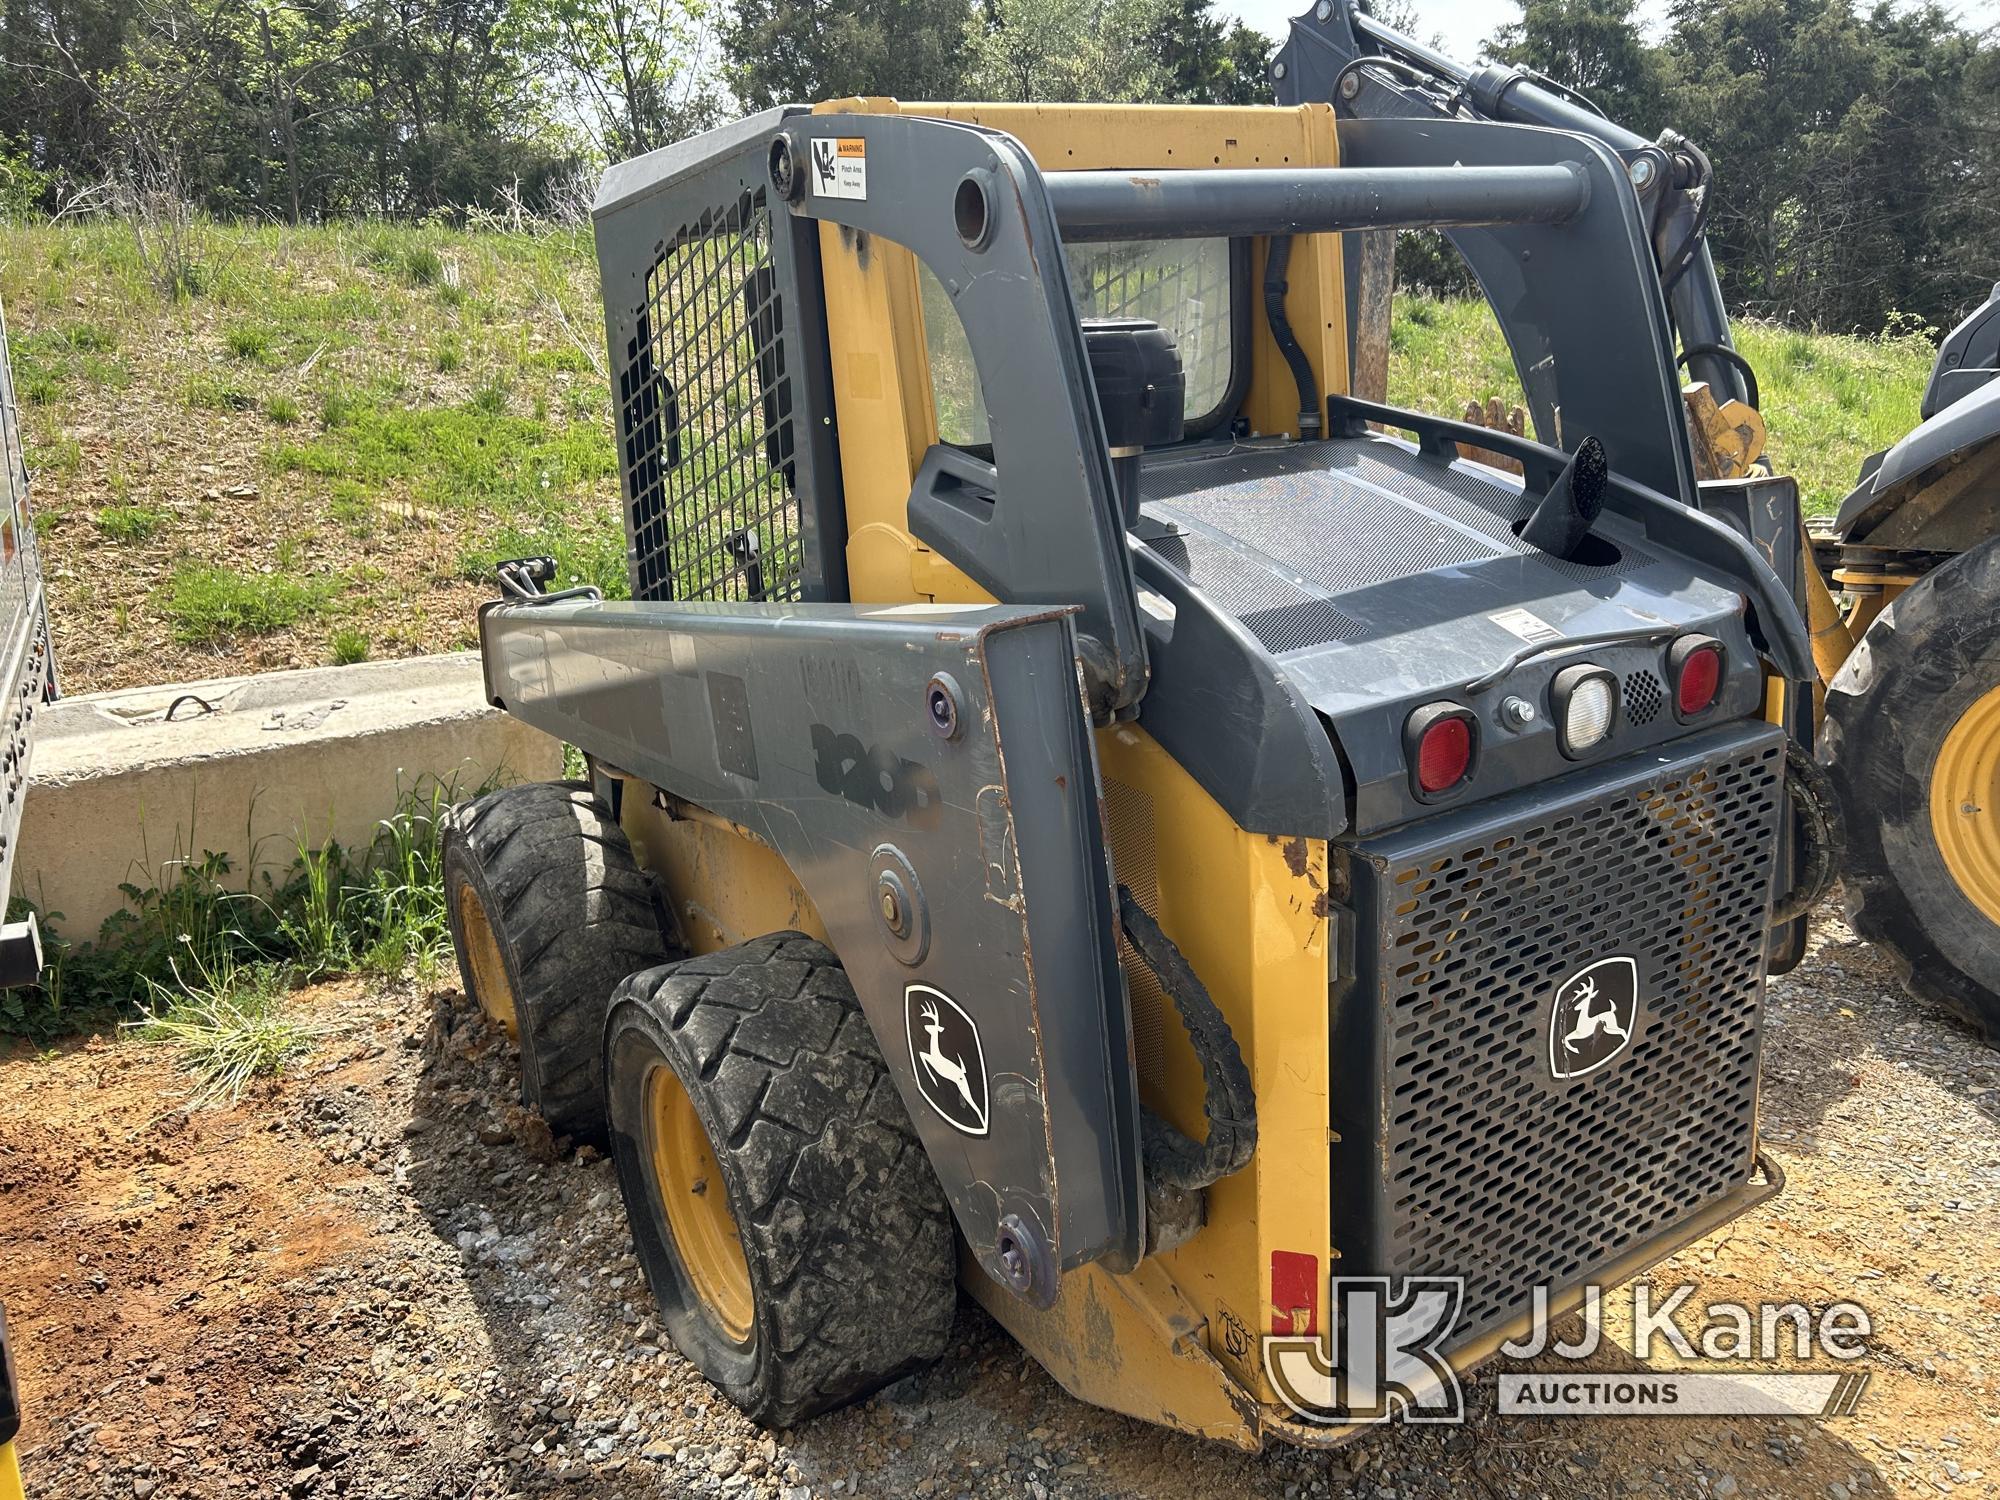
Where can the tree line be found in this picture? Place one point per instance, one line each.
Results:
(1855, 149)
(308, 109)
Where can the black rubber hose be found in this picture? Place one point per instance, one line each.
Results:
(1275, 287)
(1729, 356)
(1229, 1104)
(1683, 256)
(1810, 796)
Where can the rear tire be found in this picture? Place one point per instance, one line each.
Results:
(548, 912)
(835, 1273)
(1912, 743)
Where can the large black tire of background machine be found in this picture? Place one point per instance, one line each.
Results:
(1927, 657)
(843, 1223)
(573, 914)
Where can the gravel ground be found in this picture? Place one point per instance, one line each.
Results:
(373, 1278)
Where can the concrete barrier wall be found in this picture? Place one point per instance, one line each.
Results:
(119, 793)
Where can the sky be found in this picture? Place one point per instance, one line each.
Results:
(1464, 24)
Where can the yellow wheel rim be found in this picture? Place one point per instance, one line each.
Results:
(1965, 803)
(689, 1183)
(489, 971)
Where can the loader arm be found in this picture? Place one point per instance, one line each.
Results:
(1321, 61)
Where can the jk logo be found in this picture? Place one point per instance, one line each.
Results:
(1384, 1358)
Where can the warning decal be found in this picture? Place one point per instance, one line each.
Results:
(840, 167)
(1526, 624)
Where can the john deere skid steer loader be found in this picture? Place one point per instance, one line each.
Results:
(1902, 589)
(1082, 808)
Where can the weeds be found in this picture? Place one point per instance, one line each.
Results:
(130, 523)
(422, 266)
(212, 393)
(248, 343)
(167, 232)
(282, 410)
(230, 1024)
(204, 951)
(349, 646)
(208, 604)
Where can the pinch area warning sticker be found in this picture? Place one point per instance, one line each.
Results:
(1526, 624)
(840, 167)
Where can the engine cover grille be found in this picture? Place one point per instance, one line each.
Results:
(1460, 1151)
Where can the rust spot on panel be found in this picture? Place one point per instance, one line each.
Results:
(1295, 855)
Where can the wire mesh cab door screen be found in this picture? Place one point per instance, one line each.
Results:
(712, 314)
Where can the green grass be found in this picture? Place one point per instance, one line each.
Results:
(131, 523)
(213, 393)
(208, 604)
(249, 343)
(348, 646)
(281, 410)
(231, 1025)
(472, 454)
(1828, 400)
(204, 961)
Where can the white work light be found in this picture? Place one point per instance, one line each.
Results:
(1585, 704)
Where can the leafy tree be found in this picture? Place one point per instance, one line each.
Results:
(1846, 150)
(802, 51)
(1203, 60)
(1592, 46)
(1085, 50)
(632, 71)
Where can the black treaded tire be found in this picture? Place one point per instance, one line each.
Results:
(1933, 652)
(573, 915)
(843, 1225)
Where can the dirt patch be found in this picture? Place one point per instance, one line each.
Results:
(378, 1278)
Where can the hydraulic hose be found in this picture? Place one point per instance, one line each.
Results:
(1729, 356)
(1816, 824)
(1275, 288)
(1229, 1105)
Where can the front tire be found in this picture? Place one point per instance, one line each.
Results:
(548, 912)
(795, 1237)
(1912, 742)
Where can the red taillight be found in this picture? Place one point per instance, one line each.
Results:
(1695, 665)
(1443, 754)
(1440, 741)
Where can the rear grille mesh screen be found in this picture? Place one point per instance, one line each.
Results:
(705, 400)
(1643, 696)
(1487, 1167)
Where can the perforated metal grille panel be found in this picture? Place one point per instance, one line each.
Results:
(705, 398)
(1643, 696)
(1281, 614)
(1333, 532)
(1486, 1166)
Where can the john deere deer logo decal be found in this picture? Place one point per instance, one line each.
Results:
(945, 1055)
(1593, 1016)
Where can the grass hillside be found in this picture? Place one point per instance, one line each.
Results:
(318, 457)
(1828, 400)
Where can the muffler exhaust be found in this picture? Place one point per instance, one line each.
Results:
(1562, 519)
